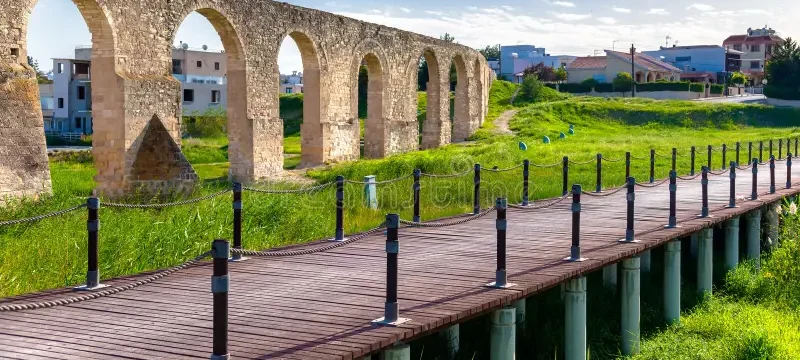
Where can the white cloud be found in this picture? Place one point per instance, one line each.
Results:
(571, 17)
(405, 10)
(438, 13)
(657, 12)
(700, 7)
(607, 20)
(509, 8)
(563, 3)
(754, 11)
(621, 10)
(472, 8)
(375, 11)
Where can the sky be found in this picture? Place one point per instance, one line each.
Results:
(563, 27)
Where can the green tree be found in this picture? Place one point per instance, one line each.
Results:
(561, 74)
(531, 87)
(491, 52)
(448, 38)
(623, 82)
(590, 83)
(738, 78)
(41, 77)
(783, 72)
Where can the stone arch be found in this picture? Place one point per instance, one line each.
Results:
(435, 130)
(651, 77)
(658, 77)
(240, 142)
(480, 94)
(461, 113)
(371, 54)
(639, 77)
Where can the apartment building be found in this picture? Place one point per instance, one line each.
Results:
(203, 77)
(756, 46)
(515, 59)
(700, 63)
(291, 84)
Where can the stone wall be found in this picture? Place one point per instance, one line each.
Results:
(137, 106)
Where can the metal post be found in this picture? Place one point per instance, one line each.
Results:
(705, 262)
(694, 152)
(789, 170)
(674, 158)
(672, 282)
(770, 148)
(652, 166)
(500, 278)
(627, 164)
(754, 193)
(220, 285)
(93, 248)
(575, 250)
(795, 145)
(370, 192)
(732, 196)
(731, 243)
(772, 174)
(525, 176)
(476, 197)
(760, 151)
(673, 189)
(724, 155)
(738, 148)
(710, 149)
(417, 187)
(503, 338)
(749, 150)
(575, 319)
(754, 236)
(780, 148)
(599, 187)
(391, 315)
(339, 208)
(630, 199)
(565, 175)
(631, 301)
(704, 183)
(237, 221)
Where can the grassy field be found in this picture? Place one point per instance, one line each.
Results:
(51, 253)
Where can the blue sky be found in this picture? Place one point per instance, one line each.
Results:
(573, 27)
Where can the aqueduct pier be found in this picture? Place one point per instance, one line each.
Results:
(137, 106)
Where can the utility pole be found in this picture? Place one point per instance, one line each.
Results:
(633, 71)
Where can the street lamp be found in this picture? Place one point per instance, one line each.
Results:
(633, 71)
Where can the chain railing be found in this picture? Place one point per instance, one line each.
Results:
(289, 191)
(450, 223)
(169, 204)
(41, 217)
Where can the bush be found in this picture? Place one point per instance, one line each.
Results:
(590, 83)
(717, 89)
(623, 82)
(772, 91)
(697, 87)
(575, 88)
(210, 123)
(604, 88)
(664, 86)
(534, 90)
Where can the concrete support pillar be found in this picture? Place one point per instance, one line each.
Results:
(399, 351)
(672, 282)
(575, 319)
(731, 243)
(631, 313)
(705, 261)
(693, 245)
(451, 338)
(610, 276)
(773, 217)
(645, 259)
(754, 237)
(503, 334)
(519, 306)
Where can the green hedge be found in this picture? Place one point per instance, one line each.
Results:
(604, 88)
(717, 89)
(663, 86)
(782, 93)
(575, 88)
(697, 87)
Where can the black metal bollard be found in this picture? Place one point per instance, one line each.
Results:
(476, 195)
(575, 250)
(391, 313)
(526, 165)
(237, 221)
(754, 192)
(760, 151)
(710, 149)
(780, 148)
(652, 166)
(770, 148)
(599, 187)
(416, 188)
(565, 175)
(795, 145)
(732, 198)
(724, 155)
(772, 174)
(694, 152)
(738, 147)
(220, 285)
(93, 249)
(339, 208)
(673, 199)
(627, 164)
(674, 158)
(789, 170)
(704, 183)
(630, 198)
(500, 276)
(749, 150)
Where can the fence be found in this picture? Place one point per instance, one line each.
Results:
(222, 252)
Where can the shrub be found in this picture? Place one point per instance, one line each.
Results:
(210, 123)
(717, 89)
(623, 82)
(697, 87)
(534, 90)
(664, 86)
(590, 83)
(604, 87)
(575, 88)
(785, 93)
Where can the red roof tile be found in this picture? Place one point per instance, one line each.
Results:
(588, 62)
(649, 62)
(761, 39)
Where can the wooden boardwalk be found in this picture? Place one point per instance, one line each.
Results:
(320, 306)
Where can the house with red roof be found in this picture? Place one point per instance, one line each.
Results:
(757, 46)
(605, 68)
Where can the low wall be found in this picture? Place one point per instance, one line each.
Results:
(784, 103)
(657, 95)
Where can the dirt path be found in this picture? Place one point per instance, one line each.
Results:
(501, 123)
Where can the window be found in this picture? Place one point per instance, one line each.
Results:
(755, 48)
(78, 123)
(197, 81)
(81, 93)
(176, 67)
(755, 64)
(216, 66)
(215, 96)
(60, 68)
(737, 47)
(683, 58)
(188, 95)
(199, 63)
(288, 90)
(14, 52)
(60, 103)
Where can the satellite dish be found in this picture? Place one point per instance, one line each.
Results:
(205, 47)
(185, 46)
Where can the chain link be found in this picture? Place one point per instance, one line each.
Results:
(165, 205)
(447, 176)
(452, 223)
(541, 206)
(639, 158)
(506, 169)
(592, 194)
(105, 292)
(611, 160)
(695, 176)
(379, 182)
(547, 166)
(294, 191)
(41, 217)
(719, 173)
(652, 185)
(582, 162)
(289, 253)
(663, 156)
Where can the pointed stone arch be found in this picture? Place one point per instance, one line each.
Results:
(371, 54)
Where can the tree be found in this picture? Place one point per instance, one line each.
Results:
(623, 82)
(541, 71)
(41, 77)
(490, 52)
(531, 87)
(422, 75)
(783, 72)
(561, 74)
(738, 78)
(448, 38)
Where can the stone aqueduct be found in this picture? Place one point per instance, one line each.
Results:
(137, 107)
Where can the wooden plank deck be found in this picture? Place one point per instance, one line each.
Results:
(320, 306)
